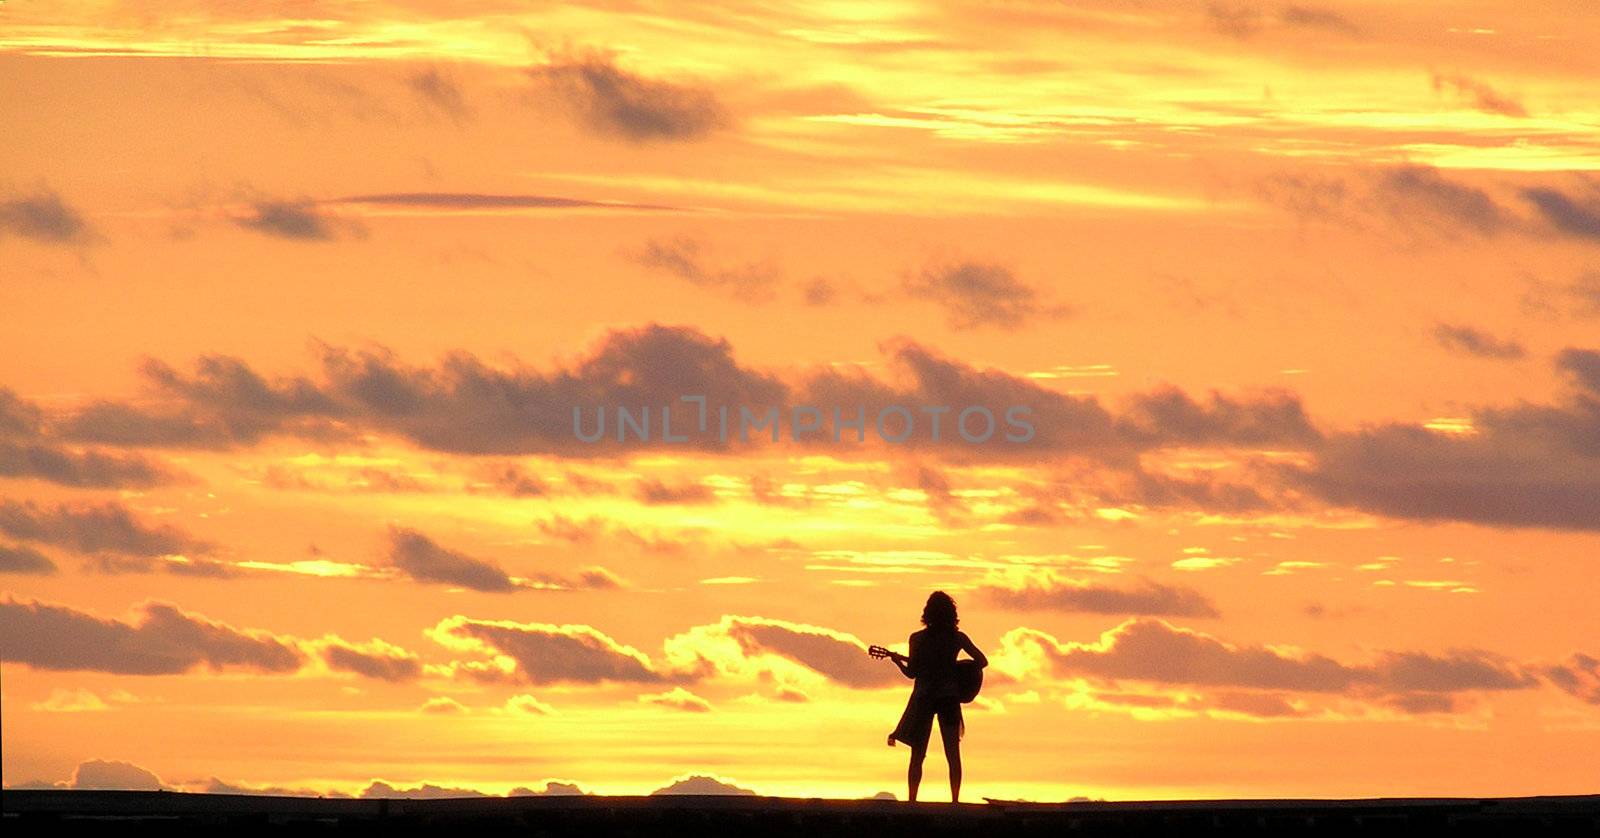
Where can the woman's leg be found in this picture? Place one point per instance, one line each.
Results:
(914, 772)
(950, 732)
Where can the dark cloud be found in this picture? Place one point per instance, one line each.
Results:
(1050, 593)
(162, 641)
(94, 469)
(549, 654)
(701, 784)
(1476, 342)
(17, 558)
(425, 561)
(614, 102)
(654, 492)
(27, 451)
(1480, 94)
(1578, 217)
(819, 292)
(1148, 649)
(294, 220)
(1526, 465)
(92, 528)
(1583, 367)
(1260, 705)
(511, 479)
(18, 416)
(425, 791)
(375, 659)
(1412, 194)
(1317, 17)
(102, 774)
(551, 788)
(686, 259)
(1154, 491)
(440, 93)
(978, 294)
(42, 217)
(464, 406)
(1168, 416)
(1240, 20)
(1579, 677)
(1423, 198)
(839, 657)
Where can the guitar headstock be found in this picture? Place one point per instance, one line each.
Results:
(879, 652)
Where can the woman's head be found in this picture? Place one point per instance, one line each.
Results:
(940, 612)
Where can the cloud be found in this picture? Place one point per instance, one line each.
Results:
(42, 217)
(1152, 650)
(440, 93)
(163, 640)
(373, 659)
(1421, 193)
(978, 294)
(546, 654)
(653, 492)
(551, 788)
(90, 528)
(1577, 217)
(1528, 465)
(426, 791)
(295, 220)
(614, 102)
(702, 784)
(511, 479)
(1168, 416)
(1481, 95)
(102, 774)
(443, 705)
(1470, 341)
(1579, 677)
(217, 786)
(678, 698)
(425, 561)
(464, 406)
(528, 705)
(17, 558)
(112, 564)
(686, 259)
(1317, 17)
(734, 643)
(27, 451)
(88, 469)
(1049, 592)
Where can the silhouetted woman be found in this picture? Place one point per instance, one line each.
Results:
(932, 664)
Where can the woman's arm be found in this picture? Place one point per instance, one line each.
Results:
(973, 650)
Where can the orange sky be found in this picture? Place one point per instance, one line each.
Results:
(299, 298)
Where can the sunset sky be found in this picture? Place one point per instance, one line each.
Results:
(297, 300)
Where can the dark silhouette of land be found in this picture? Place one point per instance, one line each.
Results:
(51, 811)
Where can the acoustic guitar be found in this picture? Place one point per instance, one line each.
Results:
(969, 675)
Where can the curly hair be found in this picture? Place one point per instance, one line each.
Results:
(940, 612)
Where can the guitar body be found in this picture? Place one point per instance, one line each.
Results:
(969, 680)
(969, 675)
